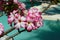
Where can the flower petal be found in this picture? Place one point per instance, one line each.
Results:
(17, 26)
(29, 28)
(23, 18)
(23, 24)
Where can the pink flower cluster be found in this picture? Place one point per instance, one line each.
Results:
(28, 19)
(34, 19)
(31, 21)
(1, 29)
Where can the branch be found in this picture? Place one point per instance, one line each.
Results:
(15, 34)
(9, 30)
(46, 8)
(55, 1)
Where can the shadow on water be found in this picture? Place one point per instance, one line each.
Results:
(54, 26)
(54, 10)
(28, 4)
(52, 34)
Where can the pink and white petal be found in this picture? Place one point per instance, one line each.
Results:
(14, 11)
(39, 24)
(11, 15)
(23, 24)
(16, 20)
(1, 28)
(25, 12)
(29, 28)
(23, 18)
(29, 19)
(34, 11)
(31, 15)
(37, 14)
(33, 26)
(30, 11)
(23, 5)
(0, 32)
(17, 15)
(19, 18)
(17, 26)
(15, 1)
(10, 19)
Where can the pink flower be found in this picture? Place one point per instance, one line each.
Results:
(21, 5)
(10, 18)
(33, 12)
(30, 21)
(25, 12)
(20, 22)
(16, 15)
(30, 26)
(34, 19)
(15, 1)
(33, 25)
(1, 29)
(15, 11)
(39, 24)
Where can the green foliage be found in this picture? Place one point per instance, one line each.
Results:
(59, 1)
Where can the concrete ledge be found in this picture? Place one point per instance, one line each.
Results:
(5, 38)
(51, 17)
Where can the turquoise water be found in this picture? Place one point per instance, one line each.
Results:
(49, 31)
(28, 4)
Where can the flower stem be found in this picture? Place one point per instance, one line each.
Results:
(9, 30)
(54, 2)
(46, 8)
(16, 34)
